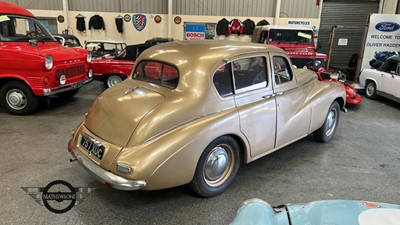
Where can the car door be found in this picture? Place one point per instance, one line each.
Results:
(390, 80)
(293, 114)
(255, 103)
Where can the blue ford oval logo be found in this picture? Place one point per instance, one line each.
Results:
(387, 26)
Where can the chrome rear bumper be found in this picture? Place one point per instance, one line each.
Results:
(106, 177)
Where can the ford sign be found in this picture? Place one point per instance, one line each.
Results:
(387, 26)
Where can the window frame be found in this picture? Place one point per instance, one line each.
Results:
(289, 68)
(160, 83)
(236, 91)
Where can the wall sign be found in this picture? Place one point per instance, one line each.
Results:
(139, 21)
(60, 18)
(177, 19)
(157, 19)
(127, 17)
(383, 37)
(343, 41)
(299, 23)
(195, 31)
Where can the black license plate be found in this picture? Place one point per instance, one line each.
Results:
(92, 148)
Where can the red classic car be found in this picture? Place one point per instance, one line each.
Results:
(114, 70)
(34, 64)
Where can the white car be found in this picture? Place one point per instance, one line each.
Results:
(384, 81)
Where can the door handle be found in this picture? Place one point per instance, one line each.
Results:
(279, 93)
(267, 96)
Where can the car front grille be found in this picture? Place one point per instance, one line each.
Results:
(69, 72)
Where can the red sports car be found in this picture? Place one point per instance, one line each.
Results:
(114, 70)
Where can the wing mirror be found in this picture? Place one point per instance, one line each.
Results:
(33, 42)
(319, 45)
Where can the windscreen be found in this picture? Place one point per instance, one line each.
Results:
(290, 36)
(22, 29)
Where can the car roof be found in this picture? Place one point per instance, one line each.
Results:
(394, 58)
(104, 41)
(133, 51)
(269, 27)
(204, 53)
(9, 8)
(66, 35)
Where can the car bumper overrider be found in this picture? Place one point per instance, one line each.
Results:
(57, 90)
(108, 178)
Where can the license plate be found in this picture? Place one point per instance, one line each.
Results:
(92, 148)
(77, 85)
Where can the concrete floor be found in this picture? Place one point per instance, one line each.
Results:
(362, 162)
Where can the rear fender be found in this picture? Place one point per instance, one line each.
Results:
(170, 159)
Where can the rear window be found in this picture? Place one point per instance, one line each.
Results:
(157, 73)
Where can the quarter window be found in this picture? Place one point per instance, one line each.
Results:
(223, 80)
(282, 71)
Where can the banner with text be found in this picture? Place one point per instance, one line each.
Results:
(195, 31)
(382, 41)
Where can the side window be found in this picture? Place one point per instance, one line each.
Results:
(392, 66)
(223, 80)
(249, 74)
(398, 69)
(282, 71)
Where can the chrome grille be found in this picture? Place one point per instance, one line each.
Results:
(69, 72)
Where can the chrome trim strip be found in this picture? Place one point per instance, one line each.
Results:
(104, 176)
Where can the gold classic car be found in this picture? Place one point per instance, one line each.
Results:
(193, 111)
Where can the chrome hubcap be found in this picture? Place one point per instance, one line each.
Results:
(16, 99)
(218, 165)
(113, 80)
(331, 122)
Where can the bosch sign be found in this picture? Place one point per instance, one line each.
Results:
(195, 35)
(387, 26)
(195, 31)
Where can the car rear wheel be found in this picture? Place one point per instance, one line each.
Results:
(112, 80)
(370, 90)
(326, 132)
(217, 167)
(17, 98)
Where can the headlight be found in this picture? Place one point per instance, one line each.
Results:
(317, 63)
(89, 57)
(48, 62)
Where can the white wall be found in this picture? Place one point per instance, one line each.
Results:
(152, 29)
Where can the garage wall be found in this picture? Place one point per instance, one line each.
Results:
(299, 9)
(240, 8)
(255, 8)
(350, 17)
(39, 4)
(137, 6)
